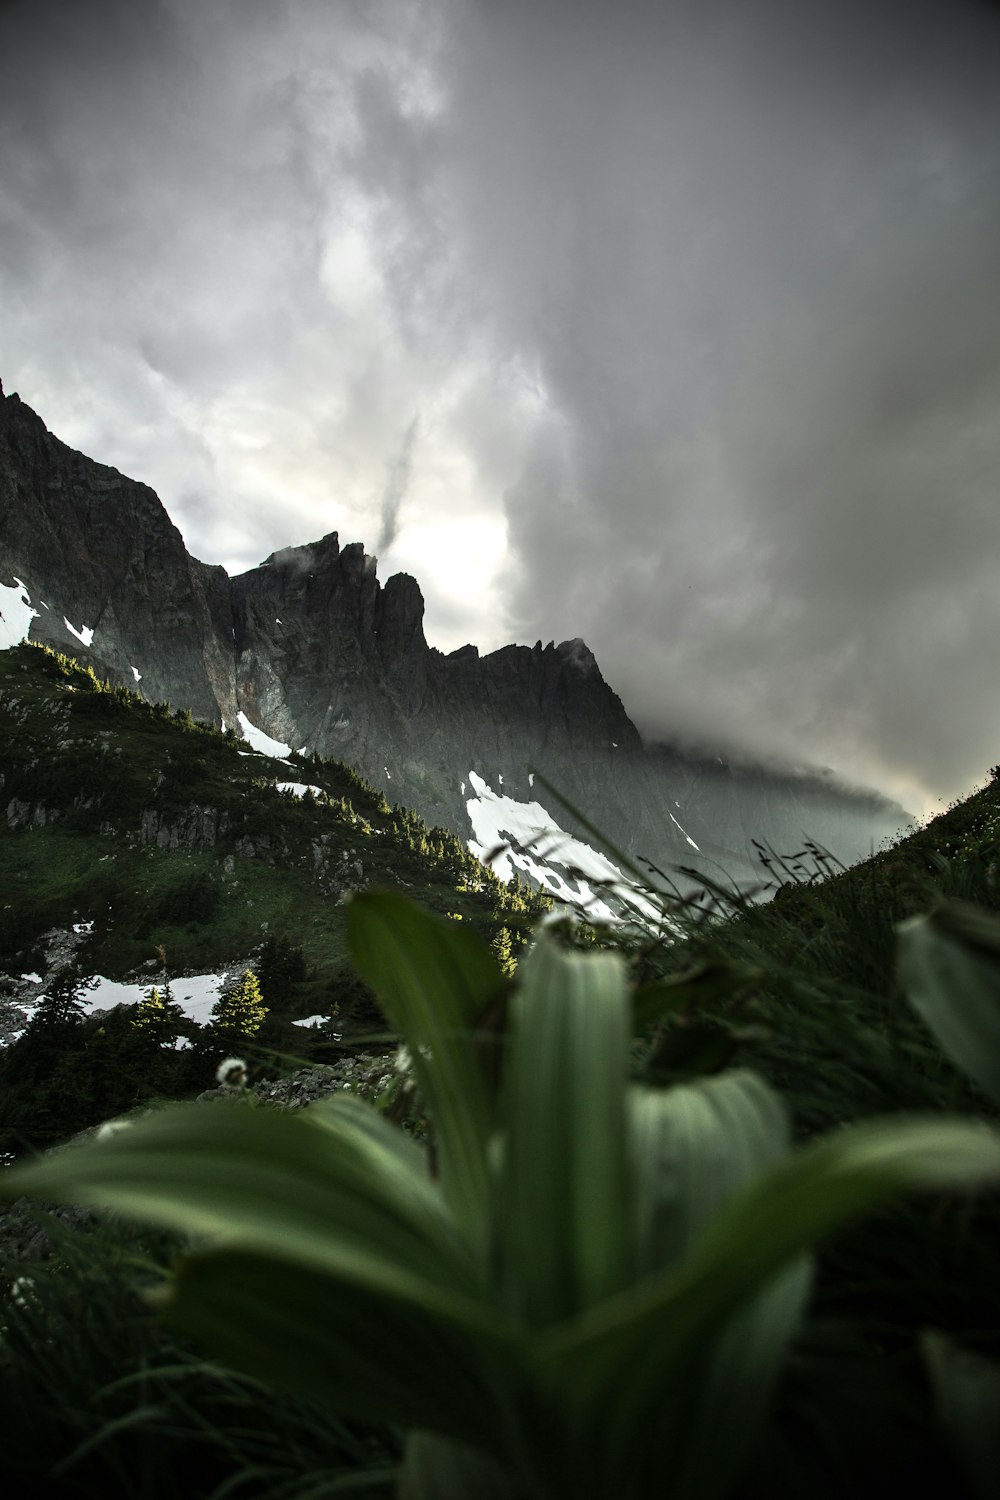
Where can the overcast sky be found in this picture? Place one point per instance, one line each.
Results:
(672, 324)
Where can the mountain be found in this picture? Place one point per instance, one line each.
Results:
(312, 649)
(128, 832)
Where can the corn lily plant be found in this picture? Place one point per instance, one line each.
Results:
(585, 1288)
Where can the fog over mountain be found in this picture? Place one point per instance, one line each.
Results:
(673, 326)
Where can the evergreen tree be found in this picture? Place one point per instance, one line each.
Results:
(280, 966)
(240, 1012)
(39, 1074)
(503, 951)
(158, 1015)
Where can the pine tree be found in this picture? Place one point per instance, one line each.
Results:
(241, 1010)
(159, 1015)
(503, 951)
(40, 1076)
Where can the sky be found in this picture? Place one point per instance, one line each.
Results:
(669, 324)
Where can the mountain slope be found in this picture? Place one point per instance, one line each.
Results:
(316, 652)
(161, 834)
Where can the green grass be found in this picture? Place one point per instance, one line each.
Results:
(94, 767)
(99, 1401)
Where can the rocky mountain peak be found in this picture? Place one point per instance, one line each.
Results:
(318, 653)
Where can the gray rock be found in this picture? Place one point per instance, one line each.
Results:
(348, 673)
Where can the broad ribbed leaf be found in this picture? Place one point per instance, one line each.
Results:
(361, 1353)
(696, 1148)
(616, 1361)
(434, 981)
(949, 965)
(334, 1187)
(566, 1212)
(967, 1396)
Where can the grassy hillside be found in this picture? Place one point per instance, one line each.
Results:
(805, 988)
(167, 834)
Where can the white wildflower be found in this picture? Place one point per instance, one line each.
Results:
(231, 1073)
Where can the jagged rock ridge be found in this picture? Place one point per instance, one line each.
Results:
(318, 653)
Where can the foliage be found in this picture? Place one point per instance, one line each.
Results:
(99, 1401)
(240, 1011)
(281, 967)
(594, 1289)
(156, 827)
(159, 1016)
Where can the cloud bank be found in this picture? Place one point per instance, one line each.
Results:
(698, 303)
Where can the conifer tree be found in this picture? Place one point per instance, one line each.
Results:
(241, 1010)
(159, 1015)
(503, 951)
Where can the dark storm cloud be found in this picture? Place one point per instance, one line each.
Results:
(703, 294)
(169, 172)
(749, 254)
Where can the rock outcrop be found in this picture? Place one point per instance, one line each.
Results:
(319, 654)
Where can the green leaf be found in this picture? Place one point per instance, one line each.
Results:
(333, 1187)
(434, 981)
(696, 1148)
(949, 966)
(566, 1219)
(362, 1354)
(616, 1359)
(967, 1396)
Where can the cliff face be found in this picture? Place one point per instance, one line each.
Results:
(101, 552)
(319, 654)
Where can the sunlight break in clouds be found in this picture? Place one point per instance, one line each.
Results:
(698, 305)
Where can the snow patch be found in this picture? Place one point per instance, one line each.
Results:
(298, 788)
(84, 634)
(258, 740)
(318, 1021)
(686, 834)
(196, 994)
(136, 673)
(16, 614)
(499, 821)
